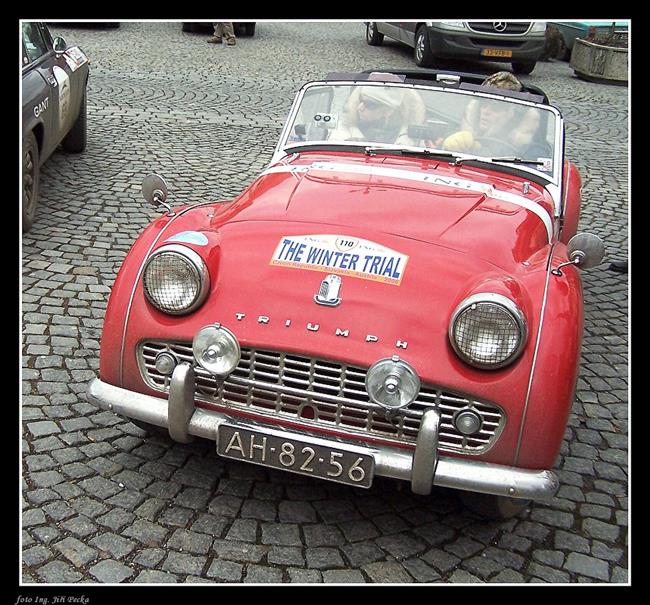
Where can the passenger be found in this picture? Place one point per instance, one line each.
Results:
(487, 124)
(380, 114)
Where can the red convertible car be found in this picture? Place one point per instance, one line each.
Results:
(397, 295)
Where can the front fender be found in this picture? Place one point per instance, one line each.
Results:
(554, 373)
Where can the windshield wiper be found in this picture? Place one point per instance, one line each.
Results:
(507, 160)
(512, 160)
(443, 155)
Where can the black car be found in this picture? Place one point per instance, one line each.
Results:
(518, 42)
(54, 82)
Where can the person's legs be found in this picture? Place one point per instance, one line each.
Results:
(229, 33)
(218, 34)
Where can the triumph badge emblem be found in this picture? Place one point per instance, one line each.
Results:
(328, 294)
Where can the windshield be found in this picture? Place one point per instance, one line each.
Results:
(463, 124)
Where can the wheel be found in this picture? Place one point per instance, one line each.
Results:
(373, 36)
(494, 507)
(31, 177)
(249, 29)
(523, 67)
(422, 51)
(75, 140)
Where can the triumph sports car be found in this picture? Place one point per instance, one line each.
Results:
(396, 295)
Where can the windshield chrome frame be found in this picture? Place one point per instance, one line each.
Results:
(554, 183)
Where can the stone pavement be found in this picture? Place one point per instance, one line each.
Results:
(104, 502)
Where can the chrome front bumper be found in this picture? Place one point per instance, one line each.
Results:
(423, 468)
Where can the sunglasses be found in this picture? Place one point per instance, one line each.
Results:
(370, 104)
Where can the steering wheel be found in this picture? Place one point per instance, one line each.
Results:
(488, 145)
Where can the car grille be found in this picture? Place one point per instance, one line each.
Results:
(488, 27)
(323, 394)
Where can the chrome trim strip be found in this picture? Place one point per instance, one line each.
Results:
(432, 179)
(389, 462)
(534, 362)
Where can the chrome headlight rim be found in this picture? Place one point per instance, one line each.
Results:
(515, 312)
(198, 268)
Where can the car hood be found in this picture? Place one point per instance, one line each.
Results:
(483, 214)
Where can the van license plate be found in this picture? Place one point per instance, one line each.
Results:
(496, 52)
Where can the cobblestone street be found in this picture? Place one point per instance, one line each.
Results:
(104, 502)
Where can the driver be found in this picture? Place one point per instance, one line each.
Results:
(487, 122)
(380, 114)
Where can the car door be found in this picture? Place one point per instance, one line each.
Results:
(39, 90)
(391, 29)
(49, 105)
(407, 32)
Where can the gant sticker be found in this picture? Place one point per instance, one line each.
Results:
(343, 255)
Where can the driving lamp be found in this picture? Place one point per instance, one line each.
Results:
(175, 280)
(392, 383)
(487, 331)
(216, 350)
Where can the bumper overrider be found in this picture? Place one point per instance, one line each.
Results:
(323, 457)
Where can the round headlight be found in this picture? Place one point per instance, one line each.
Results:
(488, 331)
(175, 280)
(392, 383)
(216, 349)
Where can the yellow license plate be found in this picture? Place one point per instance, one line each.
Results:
(496, 52)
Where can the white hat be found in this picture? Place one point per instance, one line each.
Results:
(389, 96)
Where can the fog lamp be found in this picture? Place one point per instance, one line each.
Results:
(468, 422)
(216, 350)
(392, 383)
(165, 363)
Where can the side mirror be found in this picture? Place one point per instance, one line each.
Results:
(154, 191)
(59, 44)
(585, 250)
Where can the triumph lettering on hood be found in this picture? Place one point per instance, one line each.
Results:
(315, 327)
(344, 255)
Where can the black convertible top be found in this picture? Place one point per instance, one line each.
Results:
(443, 79)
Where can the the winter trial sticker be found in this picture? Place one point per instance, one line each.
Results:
(341, 254)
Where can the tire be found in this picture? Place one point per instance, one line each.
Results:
(249, 29)
(31, 178)
(489, 506)
(75, 140)
(373, 36)
(422, 50)
(523, 67)
(152, 429)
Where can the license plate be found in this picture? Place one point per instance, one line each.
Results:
(342, 464)
(496, 52)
